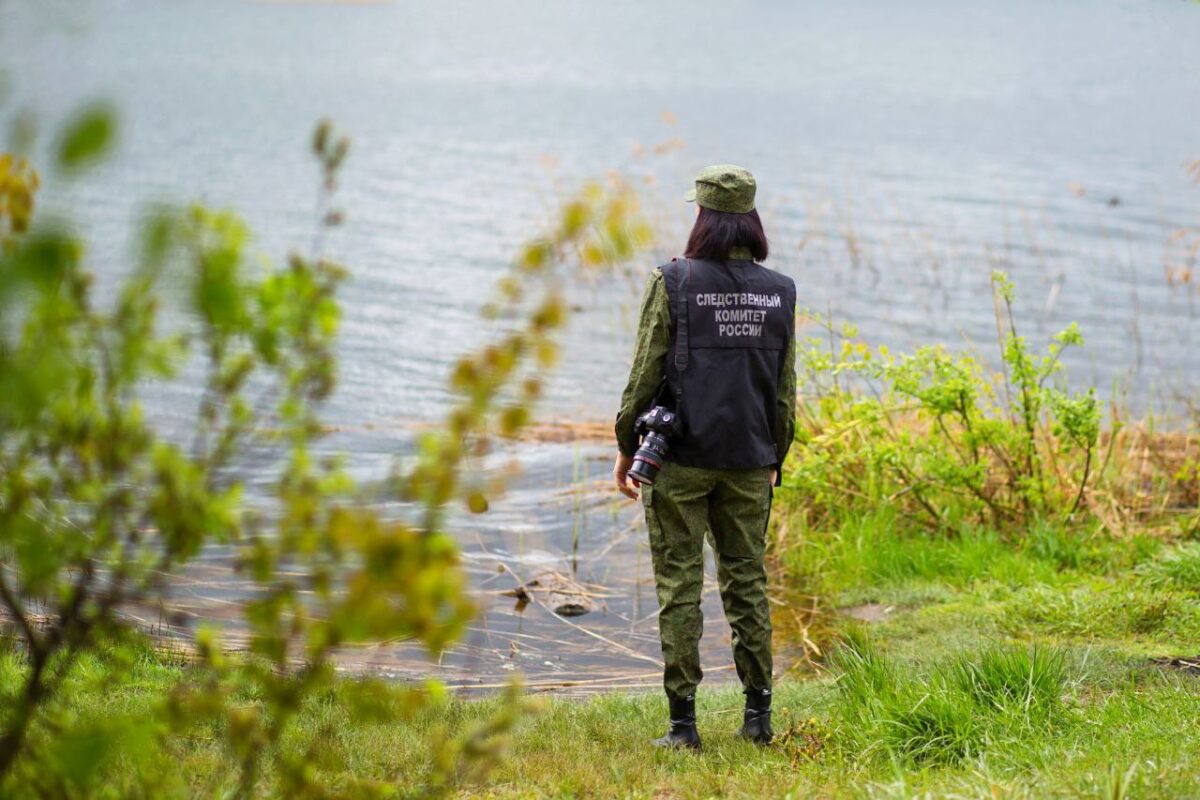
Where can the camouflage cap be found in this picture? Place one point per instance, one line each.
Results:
(724, 187)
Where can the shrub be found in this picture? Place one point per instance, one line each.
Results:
(97, 509)
(936, 438)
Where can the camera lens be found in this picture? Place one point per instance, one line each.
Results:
(649, 458)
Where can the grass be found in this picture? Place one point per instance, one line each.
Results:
(1013, 667)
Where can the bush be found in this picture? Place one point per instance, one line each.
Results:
(97, 509)
(938, 440)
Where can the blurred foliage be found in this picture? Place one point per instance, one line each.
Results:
(941, 441)
(18, 185)
(86, 138)
(98, 510)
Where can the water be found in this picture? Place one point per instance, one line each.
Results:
(903, 151)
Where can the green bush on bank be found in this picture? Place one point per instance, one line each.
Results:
(938, 440)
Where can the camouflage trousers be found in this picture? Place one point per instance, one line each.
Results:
(733, 507)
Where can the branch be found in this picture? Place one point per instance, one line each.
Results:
(17, 609)
(1087, 464)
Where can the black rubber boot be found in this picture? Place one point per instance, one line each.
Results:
(683, 731)
(756, 721)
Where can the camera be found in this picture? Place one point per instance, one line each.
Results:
(657, 427)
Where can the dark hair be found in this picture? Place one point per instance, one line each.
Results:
(716, 232)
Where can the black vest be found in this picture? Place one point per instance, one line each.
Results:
(740, 320)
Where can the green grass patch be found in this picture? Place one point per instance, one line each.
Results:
(877, 551)
(903, 712)
(1177, 568)
(949, 712)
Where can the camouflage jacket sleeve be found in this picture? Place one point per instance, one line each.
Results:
(785, 406)
(649, 359)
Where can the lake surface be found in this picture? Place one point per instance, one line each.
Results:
(903, 152)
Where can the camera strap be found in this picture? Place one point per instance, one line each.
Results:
(681, 320)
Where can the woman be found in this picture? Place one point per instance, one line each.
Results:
(716, 344)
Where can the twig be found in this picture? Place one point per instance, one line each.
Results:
(1087, 464)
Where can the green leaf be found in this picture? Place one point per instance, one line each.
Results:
(87, 137)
